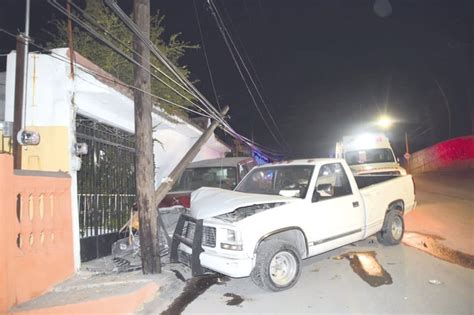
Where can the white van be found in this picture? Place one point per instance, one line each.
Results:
(369, 154)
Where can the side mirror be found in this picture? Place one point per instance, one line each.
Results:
(325, 190)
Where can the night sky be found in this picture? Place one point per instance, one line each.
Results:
(326, 68)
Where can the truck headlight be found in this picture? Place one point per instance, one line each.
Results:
(231, 246)
(233, 240)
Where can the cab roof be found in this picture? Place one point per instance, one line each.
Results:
(311, 161)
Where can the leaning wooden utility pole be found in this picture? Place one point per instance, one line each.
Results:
(168, 182)
(148, 214)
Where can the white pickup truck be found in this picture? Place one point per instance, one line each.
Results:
(285, 212)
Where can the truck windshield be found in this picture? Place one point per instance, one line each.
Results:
(290, 181)
(369, 156)
(194, 178)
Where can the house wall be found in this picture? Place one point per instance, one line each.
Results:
(36, 234)
(48, 111)
(2, 95)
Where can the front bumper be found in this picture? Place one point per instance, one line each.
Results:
(191, 252)
(231, 267)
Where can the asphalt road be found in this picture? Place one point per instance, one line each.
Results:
(417, 279)
(331, 286)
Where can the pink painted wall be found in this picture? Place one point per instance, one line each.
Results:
(35, 235)
(457, 153)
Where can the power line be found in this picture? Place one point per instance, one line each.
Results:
(205, 54)
(157, 53)
(117, 50)
(212, 113)
(125, 45)
(228, 39)
(241, 74)
(91, 72)
(242, 61)
(226, 128)
(126, 19)
(257, 78)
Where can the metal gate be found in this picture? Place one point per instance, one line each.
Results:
(106, 185)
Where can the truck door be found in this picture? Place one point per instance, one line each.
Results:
(337, 212)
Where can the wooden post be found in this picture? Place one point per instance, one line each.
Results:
(407, 153)
(148, 214)
(407, 150)
(168, 182)
(19, 90)
(70, 39)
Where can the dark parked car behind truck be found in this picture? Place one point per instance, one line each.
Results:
(223, 173)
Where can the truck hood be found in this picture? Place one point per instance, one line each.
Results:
(207, 202)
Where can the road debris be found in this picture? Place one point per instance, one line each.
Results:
(435, 282)
(368, 268)
(235, 300)
(431, 244)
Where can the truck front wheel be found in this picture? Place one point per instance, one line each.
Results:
(393, 229)
(278, 265)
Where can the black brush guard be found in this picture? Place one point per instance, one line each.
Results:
(195, 244)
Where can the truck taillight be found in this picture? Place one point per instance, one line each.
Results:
(185, 201)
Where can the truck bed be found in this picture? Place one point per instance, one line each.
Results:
(367, 180)
(378, 192)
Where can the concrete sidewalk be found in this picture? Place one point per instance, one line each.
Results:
(96, 291)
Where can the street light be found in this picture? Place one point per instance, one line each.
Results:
(384, 122)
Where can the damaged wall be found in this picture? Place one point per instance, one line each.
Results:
(53, 100)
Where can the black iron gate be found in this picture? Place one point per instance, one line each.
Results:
(106, 185)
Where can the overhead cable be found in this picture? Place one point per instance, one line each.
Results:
(232, 47)
(158, 54)
(125, 45)
(93, 73)
(117, 50)
(205, 53)
(133, 27)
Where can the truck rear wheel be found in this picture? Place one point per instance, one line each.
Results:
(278, 265)
(393, 229)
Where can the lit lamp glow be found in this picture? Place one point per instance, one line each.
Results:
(384, 122)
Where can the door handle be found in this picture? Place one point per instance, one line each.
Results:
(355, 204)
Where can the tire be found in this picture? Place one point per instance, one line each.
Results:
(393, 229)
(278, 265)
